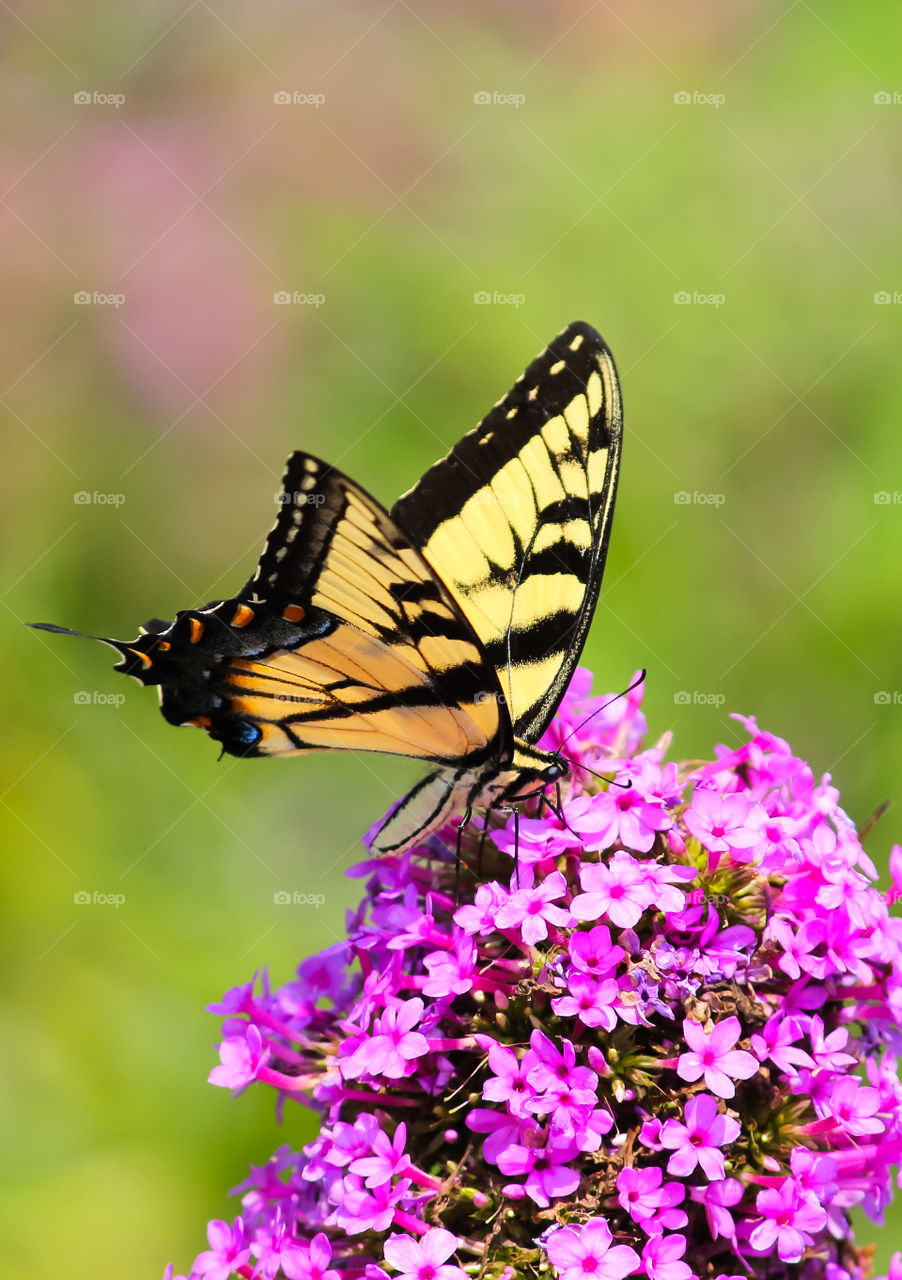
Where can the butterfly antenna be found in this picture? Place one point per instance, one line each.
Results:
(612, 782)
(591, 716)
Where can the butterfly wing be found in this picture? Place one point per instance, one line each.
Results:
(516, 520)
(398, 670)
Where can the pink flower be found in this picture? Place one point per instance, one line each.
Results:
(660, 1258)
(530, 909)
(698, 1141)
(576, 1252)
(619, 890)
(730, 824)
(789, 1219)
(649, 1200)
(393, 1045)
(718, 1198)
(620, 815)
(509, 1082)
(241, 1058)
(548, 1175)
(310, 1262)
(423, 1259)
(228, 1251)
(389, 1159)
(451, 972)
(853, 1105)
(714, 1057)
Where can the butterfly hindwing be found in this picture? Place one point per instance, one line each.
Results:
(400, 671)
(515, 520)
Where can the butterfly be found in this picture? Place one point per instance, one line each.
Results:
(446, 629)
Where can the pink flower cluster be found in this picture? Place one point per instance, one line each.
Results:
(651, 1031)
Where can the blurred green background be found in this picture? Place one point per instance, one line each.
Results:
(715, 186)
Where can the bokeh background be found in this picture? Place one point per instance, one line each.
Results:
(714, 186)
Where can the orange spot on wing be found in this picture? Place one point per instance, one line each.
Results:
(199, 722)
(163, 646)
(197, 630)
(293, 613)
(143, 656)
(242, 616)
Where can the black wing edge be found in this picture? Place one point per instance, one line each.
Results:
(311, 502)
(448, 484)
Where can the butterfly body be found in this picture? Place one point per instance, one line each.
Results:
(445, 629)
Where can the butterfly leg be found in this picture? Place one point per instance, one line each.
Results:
(467, 815)
(485, 832)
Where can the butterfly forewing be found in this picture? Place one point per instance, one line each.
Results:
(515, 520)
